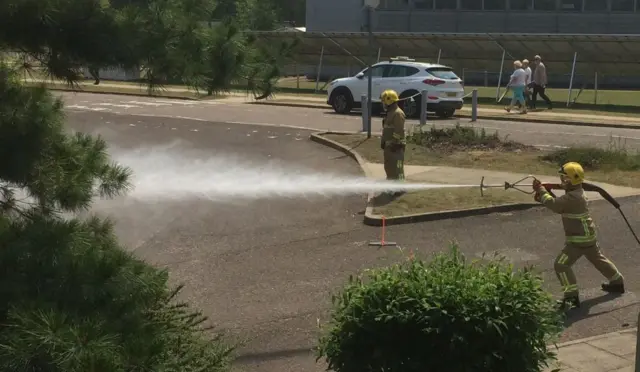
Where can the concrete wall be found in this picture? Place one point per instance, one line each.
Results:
(335, 15)
(515, 22)
(348, 16)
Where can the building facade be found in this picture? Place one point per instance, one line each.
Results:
(479, 16)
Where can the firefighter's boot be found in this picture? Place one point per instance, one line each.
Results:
(568, 303)
(613, 287)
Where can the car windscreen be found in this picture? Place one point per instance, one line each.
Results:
(442, 73)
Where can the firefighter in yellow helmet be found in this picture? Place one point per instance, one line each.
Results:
(393, 138)
(580, 235)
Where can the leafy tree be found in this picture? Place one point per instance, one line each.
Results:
(71, 298)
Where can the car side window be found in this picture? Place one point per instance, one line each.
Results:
(397, 71)
(377, 71)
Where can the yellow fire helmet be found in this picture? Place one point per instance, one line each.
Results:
(573, 172)
(389, 97)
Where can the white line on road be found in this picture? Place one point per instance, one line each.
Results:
(445, 124)
(177, 102)
(155, 104)
(117, 105)
(86, 108)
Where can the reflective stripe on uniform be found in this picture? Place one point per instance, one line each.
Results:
(566, 286)
(615, 277)
(545, 196)
(584, 219)
(562, 259)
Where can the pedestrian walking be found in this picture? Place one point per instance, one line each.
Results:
(539, 82)
(528, 83)
(517, 84)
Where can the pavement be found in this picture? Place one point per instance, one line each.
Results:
(612, 352)
(540, 115)
(263, 270)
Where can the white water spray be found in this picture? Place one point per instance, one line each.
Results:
(169, 174)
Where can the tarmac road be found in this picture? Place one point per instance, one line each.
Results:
(232, 110)
(263, 270)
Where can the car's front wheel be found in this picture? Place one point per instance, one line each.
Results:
(445, 113)
(411, 107)
(342, 101)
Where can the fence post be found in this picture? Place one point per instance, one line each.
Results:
(474, 105)
(319, 69)
(637, 368)
(423, 108)
(365, 112)
(595, 83)
(573, 71)
(504, 52)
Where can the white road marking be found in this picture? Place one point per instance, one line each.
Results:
(155, 104)
(511, 129)
(177, 102)
(117, 105)
(85, 108)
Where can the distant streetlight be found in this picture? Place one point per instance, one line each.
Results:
(371, 5)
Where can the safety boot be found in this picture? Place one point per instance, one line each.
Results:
(569, 303)
(613, 287)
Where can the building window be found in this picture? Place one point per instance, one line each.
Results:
(520, 4)
(544, 4)
(622, 5)
(595, 5)
(446, 4)
(495, 4)
(394, 4)
(471, 4)
(423, 4)
(571, 5)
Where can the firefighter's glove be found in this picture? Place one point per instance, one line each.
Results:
(536, 197)
(537, 185)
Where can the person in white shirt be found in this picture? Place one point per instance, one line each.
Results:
(517, 83)
(529, 83)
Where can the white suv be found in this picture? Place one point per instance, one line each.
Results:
(408, 78)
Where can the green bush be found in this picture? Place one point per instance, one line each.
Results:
(443, 315)
(615, 156)
(459, 136)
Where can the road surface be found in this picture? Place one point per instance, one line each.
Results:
(264, 270)
(234, 111)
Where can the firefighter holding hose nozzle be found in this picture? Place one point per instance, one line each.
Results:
(580, 235)
(393, 140)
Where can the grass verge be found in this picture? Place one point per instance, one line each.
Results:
(467, 147)
(435, 200)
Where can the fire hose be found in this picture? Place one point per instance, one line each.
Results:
(555, 186)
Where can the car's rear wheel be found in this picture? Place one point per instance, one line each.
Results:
(411, 107)
(445, 113)
(342, 101)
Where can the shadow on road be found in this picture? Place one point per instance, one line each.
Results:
(576, 315)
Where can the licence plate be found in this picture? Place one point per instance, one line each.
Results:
(452, 94)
